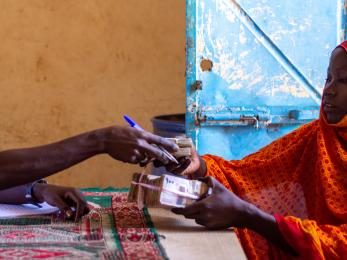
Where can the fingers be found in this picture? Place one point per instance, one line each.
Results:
(157, 163)
(154, 152)
(134, 157)
(139, 157)
(182, 165)
(210, 181)
(198, 216)
(144, 162)
(155, 139)
(154, 146)
(70, 198)
(79, 202)
(215, 185)
(175, 168)
(62, 206)
(185, 162)
(206, 180)
(145, 159)
(200, 222)
(208, 223)
(190, 211)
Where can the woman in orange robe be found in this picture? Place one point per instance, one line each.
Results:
(289, 198)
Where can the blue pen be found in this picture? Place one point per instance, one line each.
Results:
(132, 123)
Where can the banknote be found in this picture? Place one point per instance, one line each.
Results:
(165, 191)
(185, 144)
(182, 141)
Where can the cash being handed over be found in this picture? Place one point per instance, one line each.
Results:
(165, 191)
(184, 146)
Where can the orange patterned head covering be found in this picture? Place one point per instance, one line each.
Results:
(343, 122)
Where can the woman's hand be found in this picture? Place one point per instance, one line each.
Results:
(221, 209)
(64, 198)
(130, 145)
(194, 166)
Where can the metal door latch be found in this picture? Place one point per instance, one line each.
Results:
(253, 119)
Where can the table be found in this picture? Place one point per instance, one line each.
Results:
(184, 239)
(114, 229)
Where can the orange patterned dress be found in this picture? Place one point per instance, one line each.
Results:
(301, 178)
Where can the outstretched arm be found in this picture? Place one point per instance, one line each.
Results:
(20, 166)
(126, 144)
(223, 209)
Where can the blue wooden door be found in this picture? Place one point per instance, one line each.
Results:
(256, 69)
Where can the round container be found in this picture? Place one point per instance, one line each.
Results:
(169, 125)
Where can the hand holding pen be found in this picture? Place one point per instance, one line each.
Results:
(129, 144)
(166, 154)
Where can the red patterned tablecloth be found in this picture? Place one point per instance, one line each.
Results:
(114, 229)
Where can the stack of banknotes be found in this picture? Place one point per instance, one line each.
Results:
(185, 144)
(165, 191)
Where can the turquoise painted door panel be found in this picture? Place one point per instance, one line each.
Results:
(256, 69)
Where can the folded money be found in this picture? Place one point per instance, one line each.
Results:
(182, 141)
(185, 144)
(165, 191)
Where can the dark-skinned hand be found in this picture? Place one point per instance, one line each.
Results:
(222, 209)
(131, 145)
(193, 167)
(64, 198)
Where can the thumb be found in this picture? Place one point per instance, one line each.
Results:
(211, 182)
(177, 210)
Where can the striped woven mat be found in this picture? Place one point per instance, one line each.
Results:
(114, 229)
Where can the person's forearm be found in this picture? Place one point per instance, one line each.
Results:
(22, 166)
(15, 195)
(265, 225)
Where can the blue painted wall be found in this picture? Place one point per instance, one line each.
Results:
(267, 64)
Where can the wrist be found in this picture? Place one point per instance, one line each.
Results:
(37, 194)
(258, 220)
(36, 191)
(201, 172)
(96, 140)
(266, 225)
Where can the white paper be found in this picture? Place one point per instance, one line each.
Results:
(13, 211)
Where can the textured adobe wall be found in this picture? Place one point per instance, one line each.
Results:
(71, 66)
